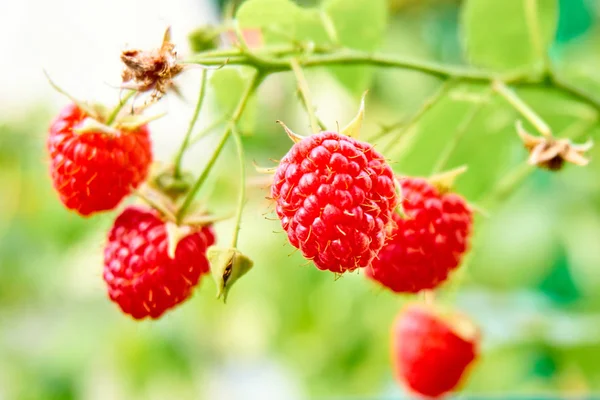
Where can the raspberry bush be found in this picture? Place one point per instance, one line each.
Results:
(354, 199)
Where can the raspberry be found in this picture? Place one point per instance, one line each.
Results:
(428, 243)
(94, 171)
(335, 196)
(141, 277)
(431, 353)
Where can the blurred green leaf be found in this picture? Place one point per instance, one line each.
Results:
(497, 34)
(358, 24)
(282, 21)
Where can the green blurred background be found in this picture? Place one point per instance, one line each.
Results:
(288, 330)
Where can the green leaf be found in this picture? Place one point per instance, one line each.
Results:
(358, 24)
(498, 34)
(228, 85)
(282, 21)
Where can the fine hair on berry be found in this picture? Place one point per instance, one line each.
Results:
(141, 277)
(335, 196)
(94, 171)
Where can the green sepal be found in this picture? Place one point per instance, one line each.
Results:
(227, 265)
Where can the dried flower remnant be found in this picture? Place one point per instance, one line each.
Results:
(551, 153)
(151, 70)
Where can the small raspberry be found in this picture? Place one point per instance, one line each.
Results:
(428, 243)
(431, 352)
(141, 277)
(94, 171)
(335, 196)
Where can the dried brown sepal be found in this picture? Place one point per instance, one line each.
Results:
(151, 70)
(551, 153)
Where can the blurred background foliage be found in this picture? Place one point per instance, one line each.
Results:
(290, 331)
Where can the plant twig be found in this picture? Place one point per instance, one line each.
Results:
(426, 106)
(242, 196)
(522, 107)
(186, 139)
(252, 85)
(452, 144)
(305, 95)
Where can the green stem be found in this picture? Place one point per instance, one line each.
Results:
(267, 62)
(305, 95)
(458, 135)
(208, 129)
(277, 59)
(523, 108)
(242, 195)
(115, 112)
(426, 106)
(575, 92)
(533, 25)
(254, 83)
(186, 138)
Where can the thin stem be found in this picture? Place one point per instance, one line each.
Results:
(242, 194)
(208, 129)
(276, 59)
(186, 138)
(350, 57)
(575, 92)
(253, 84)
(447, 152)
(426, 106)
(115, 112)
(522, 107)
(533, 25)
(305, 94)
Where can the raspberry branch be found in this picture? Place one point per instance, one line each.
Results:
(242, 196)
(186, 140)
(427, 105)
(315, 124)
(272, 59)
(522, 107)
(254, 83)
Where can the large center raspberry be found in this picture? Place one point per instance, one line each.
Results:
(335, 196)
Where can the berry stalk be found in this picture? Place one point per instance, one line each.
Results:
(115, 112)
(254, 83)
(242, 195)
(186, 140)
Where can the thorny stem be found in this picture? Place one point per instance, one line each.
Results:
(186, 138)
(115, 112)
(522, 107)
(242, 196)
(305, 95)
(252, 85)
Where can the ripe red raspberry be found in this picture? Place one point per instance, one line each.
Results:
(94, 171)
(431, 352)
(335, 196)
(141, 277)
(427, 243)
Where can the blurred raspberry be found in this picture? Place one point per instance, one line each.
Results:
(427, 243)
